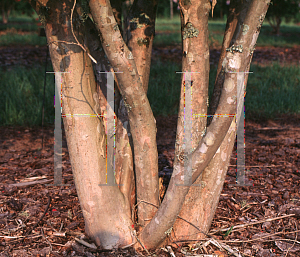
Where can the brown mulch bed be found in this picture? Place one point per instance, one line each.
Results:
(272, 163)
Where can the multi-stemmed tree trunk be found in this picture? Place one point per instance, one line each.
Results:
(87, 38)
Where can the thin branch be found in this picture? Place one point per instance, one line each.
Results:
(142, 201)
(36, 224)
(77, 42)
(93, 246)
(72, 11)
(250, 224)
(293, 243)
(42, 231)
(72, 43)
(134, 233)
(256, 239)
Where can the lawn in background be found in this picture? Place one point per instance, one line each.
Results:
(21, 96)
(167, 33)
(271, 90)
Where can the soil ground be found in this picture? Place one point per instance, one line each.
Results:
(32, 55)
(272, 164)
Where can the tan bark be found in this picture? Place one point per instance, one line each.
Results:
(106, 209)
(237, 13)
(124, 173)
(154, 232)
(141, 119)
(140, 35)
(195, 59)
(202, 199)
(5, 15)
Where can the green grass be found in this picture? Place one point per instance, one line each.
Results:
(168, 32)
(17, 17)
(271, 91)
(24, 26)
(289, 37)
(164, 88)
(167, 39)
(22, 95)
(12, 38)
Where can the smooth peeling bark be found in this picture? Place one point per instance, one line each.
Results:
(140, 35)
(103, 207)
(124, 173)
(204, 195)
(237, 14)
(154, 233)
(202, 207)
(141, 119)
(140, 42)
(195, 59)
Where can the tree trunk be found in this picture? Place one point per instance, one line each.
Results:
(171, 9)
(203, 146)
(275, 24)
(5, 14)
(278, 22)
(106, 213)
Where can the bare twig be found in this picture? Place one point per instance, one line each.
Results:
(61, 226)
(293, 243)
(169, 248)
(283, 239)
(36, 224)
(260, 238)
(250, 224)
(49, 223)
(72, 11)
(31, 183)
(11, 237)
(258, 166)
(42, 231)
(93, 246)
(135, 235)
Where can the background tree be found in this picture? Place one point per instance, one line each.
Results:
(7, 6)
(85, 40)
(282, 9)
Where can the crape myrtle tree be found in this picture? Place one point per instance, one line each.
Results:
(86, 38)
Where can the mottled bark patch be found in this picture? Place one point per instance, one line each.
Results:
(189, 31)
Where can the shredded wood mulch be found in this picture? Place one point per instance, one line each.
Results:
(258, 220)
